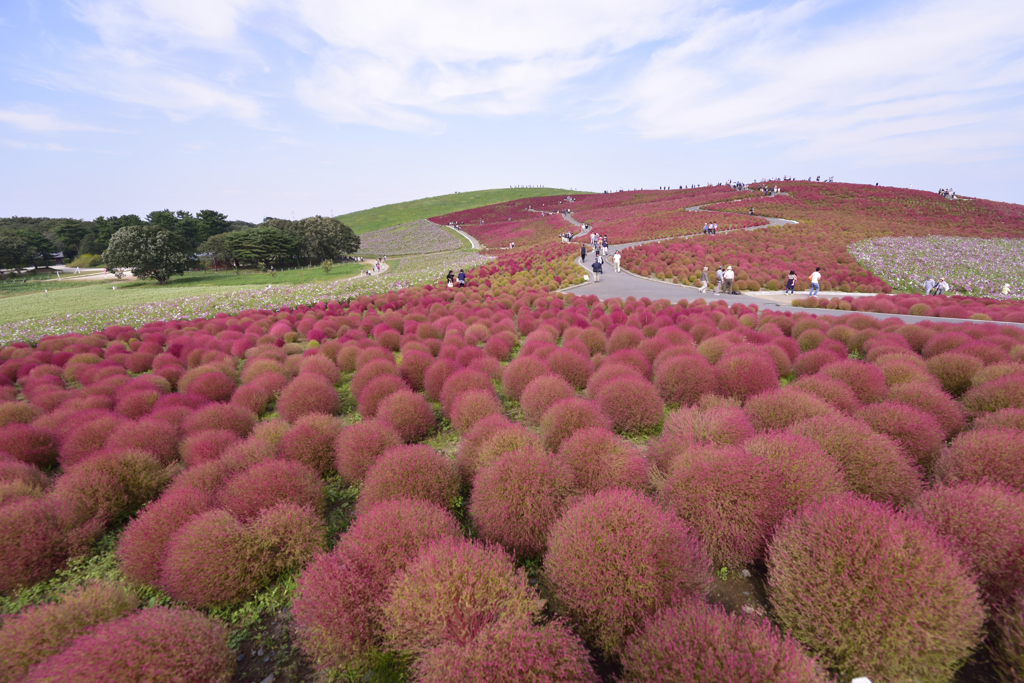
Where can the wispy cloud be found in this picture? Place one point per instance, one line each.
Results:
(41, 120)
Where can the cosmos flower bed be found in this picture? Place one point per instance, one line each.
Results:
(419, 237)
(635, 223)
(977, 267)
(545, 486)
(918, 304)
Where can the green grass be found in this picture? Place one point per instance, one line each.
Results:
(405, 212)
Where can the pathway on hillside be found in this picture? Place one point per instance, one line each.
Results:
(473, 243)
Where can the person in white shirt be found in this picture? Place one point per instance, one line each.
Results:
(815, 281)
(730, 276)
(617, 259)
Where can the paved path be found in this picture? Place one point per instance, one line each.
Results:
(472, 240)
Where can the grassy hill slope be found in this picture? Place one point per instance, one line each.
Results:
(404, 212)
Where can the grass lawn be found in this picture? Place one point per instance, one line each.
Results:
(406, 212)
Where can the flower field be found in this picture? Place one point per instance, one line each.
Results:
(505, 483)
(975, 308)
(972, 266)
(419, 237)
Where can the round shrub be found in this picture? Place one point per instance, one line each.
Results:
(30, 444)
(918, 433)
(609, 371)
(157, 644)
(986, 523)
(517, 498)
(633, 405)
(311, 442)
(206, 445)
(268, 483)
(906, 610)
(933, 401)
(307, 394)
(983, 455)
(510, 650)
(779, 409)
(954, 370)
(745, 373)
(142, 547)
(220, 416)
(866, 379)
(600, 460)
(156, 437)
(34, 634)
(321, 365)
(806, 472)
(23, 472)
(541, 393)
(32, 543)
(695, 643)
(496, 439)
(435, 377)
(624, 337)
(575, 368)
(722, 425)
(414, 471)
(413, 367)
(451, 591)
(285, 538)
(567, 416)
(208, 562)
(215, 386)
(137, 403)
(831, 391)
(872, 463)
(409, 414)
(997, 394)
(615, 558)
(1007, 418)
(731, 498)
(809, 363)
(376, 391)
(519, 373)
(472, 406)
(86, 438)
(109, 487)
(461, 382)
(18, 412)
(357, 448)
(1008, 648)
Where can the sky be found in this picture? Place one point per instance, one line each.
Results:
(291, 108)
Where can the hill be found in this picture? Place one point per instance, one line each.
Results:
(406, 212)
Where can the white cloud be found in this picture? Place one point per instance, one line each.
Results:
(38, 120)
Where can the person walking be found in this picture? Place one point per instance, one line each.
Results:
(462, 278)
(704, 280)
(583, 254)
(730, 276)
(617, 260)
(451, 279)
(815, 279)
(790, 282)
(597, 268)
(719, 279)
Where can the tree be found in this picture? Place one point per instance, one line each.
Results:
(15, 251)
(263, 245)
(149, 251)
(106, 227)
(211, 223)
(216, 249)
(181, 223)
(325, 238)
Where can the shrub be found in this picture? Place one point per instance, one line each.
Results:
(986, 523)
(695, 643)
(567, 416)
(23, 472)
(782, 408)
(575, 368)
(608, 372)
(451, 591)
(156, 437)
(510, 650)
(109, 487)
(460, 382)
(541, 393)
(30, 444)
(357, 448)
(615, 558)
(311, 442)
(36, 633)
(731, 498)
(1007, 418)
(872, 463)
(983, 455)
(321, 365)
(142, 547)
(137, 403)
(520, 373)
(472, 406)
(933, 401)
(157, 644)
(907, 610)
(436, 376)
(806, 472)
(1009, 641)
(220, 416)
(600, 460)
(954, 370)
(206, 445)
(378, 389)
(415, 471)
(208, 562)
(409, 414)
(18, 412)
(831, 391)
(215, 386)
(86, 439)
(722, 425)
(745, 373)
(413, 367)
(286, 536)
(633, 405)
(918, 433)
(500, 438)
(997, 394)
(268, 483)
(32, 543)
(624, 337)
(307, 394)
(517, 498)
(866, 380)
(811, 362)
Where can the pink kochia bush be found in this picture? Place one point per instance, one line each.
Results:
(568, 416)
(1009, 641)
(806, 472)
(598, 459)
(453, 590)
(614, 558)
(157, 644)
(782, 408)
(510, 650)
(983, 455)
(905, 608)
(543, 391)
(357, 447)
(34, 634)
(206, 445)
(311, 442)
(918, 433)
(695, 643)
(32, 542)
(746, 373)
(409, 414)
(414, 471)
(682, 380)
(309, 393)
(633, 405)
(267, 483)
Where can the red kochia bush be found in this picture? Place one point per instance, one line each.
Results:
(779, 409)
(614, 558)
(408, 413)
(32, 543)
(600, 460)
(695, 643)
(517, 498)
(997, 394)
(568, 416)
(30, 444)
(413, 367)
(1009, 641)
(268, 483)
(834, 392)
(986, 523)
(34, 634)
(215, 386)
(220, 416)
(681, 380)
(435, 377)
(633, 405)
(357, 447)
(490, 439)
(471, 407)
(541, 393)
(745, 373)
(806, 472)
(156, 437)
(933, 401)
(459, 383)
(86, 438)
(142, 547)
(206, 445)
(519, 373)
(574, 367)
(866, 379)
(510, 650)
(415, 471)
(872, 463)
(731, 498)
(954, 371)
(1007, 418)
(378, 389)
(918, 433)
(983, 454)
(723, 425)
(157, 644)
(905, 610)
(310, 393)
(451, 591)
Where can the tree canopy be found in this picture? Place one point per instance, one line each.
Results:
(149, 251)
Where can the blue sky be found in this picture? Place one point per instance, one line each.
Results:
(289, 108)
